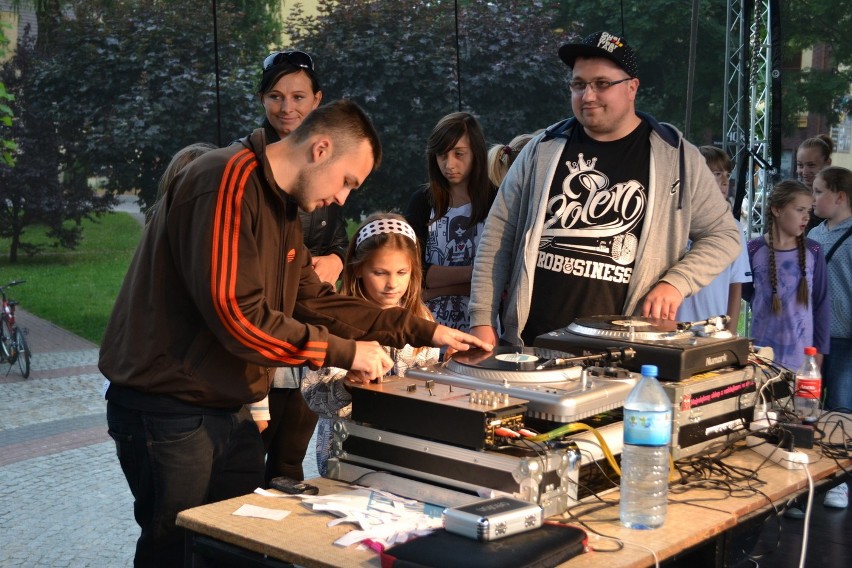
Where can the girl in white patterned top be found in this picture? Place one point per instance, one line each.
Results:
(382, 266)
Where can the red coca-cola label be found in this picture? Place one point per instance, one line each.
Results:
(809, 388)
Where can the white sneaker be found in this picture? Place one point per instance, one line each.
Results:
(837, 497)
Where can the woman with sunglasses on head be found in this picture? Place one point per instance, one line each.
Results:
(289, 91)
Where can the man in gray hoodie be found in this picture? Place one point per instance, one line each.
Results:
(594, 216)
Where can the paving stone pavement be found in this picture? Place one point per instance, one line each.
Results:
(63, 499)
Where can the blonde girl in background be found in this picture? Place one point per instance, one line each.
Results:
(501, 157)
(812, 156)
(789, 291)
(382, 266)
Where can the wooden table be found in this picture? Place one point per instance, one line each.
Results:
(301, 538)
(703, 520)
(696, 518)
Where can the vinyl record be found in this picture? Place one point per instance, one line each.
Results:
(624, 323)
(503, 358)
(513, 365)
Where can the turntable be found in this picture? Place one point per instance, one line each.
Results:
(679, 350)
(556, 386)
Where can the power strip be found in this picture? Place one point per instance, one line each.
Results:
(784, 458)
(763, 420)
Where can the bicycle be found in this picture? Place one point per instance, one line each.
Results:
(13, 341)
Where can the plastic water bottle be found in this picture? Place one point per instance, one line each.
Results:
(645, 454)
(808, 388)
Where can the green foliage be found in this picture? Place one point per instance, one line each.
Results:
(33, 192)
(7, 147)
(807, 22)
(142, 83)
(76, 289)
(826, 92)
(142, 79)
(659, 32)
(397, 58)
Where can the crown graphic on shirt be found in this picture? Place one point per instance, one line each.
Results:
(581, 165)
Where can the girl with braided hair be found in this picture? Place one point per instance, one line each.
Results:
(789, 293)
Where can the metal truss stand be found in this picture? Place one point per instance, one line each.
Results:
(752, 107)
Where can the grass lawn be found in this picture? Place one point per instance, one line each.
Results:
(75, 289)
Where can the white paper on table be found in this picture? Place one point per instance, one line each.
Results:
(340, 504)
(260, 512)
(380, 516)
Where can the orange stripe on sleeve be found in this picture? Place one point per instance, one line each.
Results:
(224, 271)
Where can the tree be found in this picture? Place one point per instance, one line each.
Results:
(804, 24)
(142, 83)
(397, 58)
(660, 33)
(39, 190)
(664, 56)
(124, 85)
(7, 147)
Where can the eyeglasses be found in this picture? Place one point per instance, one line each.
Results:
(296, 58)
(579, 87)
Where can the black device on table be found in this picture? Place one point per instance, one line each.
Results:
(293, 486)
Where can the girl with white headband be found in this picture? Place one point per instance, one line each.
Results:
(382, 266)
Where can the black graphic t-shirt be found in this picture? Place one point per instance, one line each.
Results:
(591, 230)
(452, 241)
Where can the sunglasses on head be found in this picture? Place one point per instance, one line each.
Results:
(295, 58)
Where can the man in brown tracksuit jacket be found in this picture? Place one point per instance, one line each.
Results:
(221, 291)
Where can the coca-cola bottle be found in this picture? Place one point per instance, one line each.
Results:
(808, 388)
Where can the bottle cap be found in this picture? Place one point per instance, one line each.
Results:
(808, 351)
(649, 371)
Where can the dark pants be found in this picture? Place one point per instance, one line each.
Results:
(837, 374)
(291, 426)
(174, 462)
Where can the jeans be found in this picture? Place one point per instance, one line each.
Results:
(174, 462)
(837, 374)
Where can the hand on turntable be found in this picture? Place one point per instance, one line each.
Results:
(486, 333)
(458, 340)
(662, 302)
